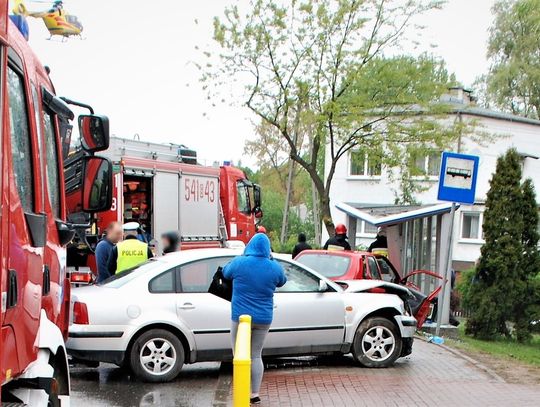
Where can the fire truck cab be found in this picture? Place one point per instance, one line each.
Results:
(34, 290)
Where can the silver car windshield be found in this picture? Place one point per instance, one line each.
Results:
(118, 280)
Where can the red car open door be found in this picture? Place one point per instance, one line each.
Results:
(421, 309)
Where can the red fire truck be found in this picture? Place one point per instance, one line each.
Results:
(161, 187)
(34, 232)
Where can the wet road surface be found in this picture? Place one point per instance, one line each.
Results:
(199, 385)
(110, 386)
(430, 376)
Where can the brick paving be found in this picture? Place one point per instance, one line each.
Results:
(430, 376)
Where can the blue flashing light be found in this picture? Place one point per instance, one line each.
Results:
(22, 25)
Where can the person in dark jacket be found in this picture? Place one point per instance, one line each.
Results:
(380, 242)
(255, 277)
(301, 245)
(170, 242)
(113, 234)
(339, 241)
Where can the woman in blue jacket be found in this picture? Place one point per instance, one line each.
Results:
(255, 277)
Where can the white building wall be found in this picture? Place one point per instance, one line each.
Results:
(504, 134)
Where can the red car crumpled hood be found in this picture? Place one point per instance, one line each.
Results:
(419, 304)
(357, 286)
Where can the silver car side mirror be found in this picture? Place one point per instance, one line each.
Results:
(323, 287)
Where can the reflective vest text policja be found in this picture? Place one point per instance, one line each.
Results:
(131, 253)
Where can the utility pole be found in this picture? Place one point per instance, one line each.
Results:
(442, 310)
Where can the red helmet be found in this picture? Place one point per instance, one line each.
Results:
(261, 229)
(341, 229)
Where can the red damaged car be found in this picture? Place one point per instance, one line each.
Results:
(349, 265)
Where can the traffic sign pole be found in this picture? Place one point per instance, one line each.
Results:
(446, 291)
(457, 183)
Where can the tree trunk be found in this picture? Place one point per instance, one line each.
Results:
(326, 214)
(316, 214)
(285, 219)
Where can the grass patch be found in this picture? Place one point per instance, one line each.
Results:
(506, 348)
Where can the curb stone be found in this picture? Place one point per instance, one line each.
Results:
(495, 376)
(223, 387)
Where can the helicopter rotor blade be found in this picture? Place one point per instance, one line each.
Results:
(44, 1)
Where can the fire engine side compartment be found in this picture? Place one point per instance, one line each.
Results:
(199, 202)
(199, 205)
(184, 198)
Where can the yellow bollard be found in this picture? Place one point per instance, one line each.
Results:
(242, 363)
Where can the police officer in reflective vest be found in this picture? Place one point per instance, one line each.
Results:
(130, 252)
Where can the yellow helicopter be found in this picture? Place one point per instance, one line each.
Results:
(56, 19)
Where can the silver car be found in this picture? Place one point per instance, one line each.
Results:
(159, 316)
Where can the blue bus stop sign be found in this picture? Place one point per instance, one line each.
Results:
(457, 179)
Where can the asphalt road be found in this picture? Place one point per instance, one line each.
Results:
(198, 385)
(110, 386)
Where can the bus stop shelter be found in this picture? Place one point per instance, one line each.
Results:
(418, 239)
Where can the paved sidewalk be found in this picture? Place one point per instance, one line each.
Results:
(430, 376)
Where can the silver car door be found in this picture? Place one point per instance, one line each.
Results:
(306, 320)
(206, 315)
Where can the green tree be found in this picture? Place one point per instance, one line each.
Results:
(272, 201)
(273, 159)
(501, 290)
(323, 64)
(528, 302)
(514, 51)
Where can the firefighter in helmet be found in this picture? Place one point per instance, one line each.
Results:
(339, 241)
(130, 252)
(380, 245)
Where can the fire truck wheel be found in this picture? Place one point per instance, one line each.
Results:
(157, 356)
(58, 384)
(377, 343)
(54, 401)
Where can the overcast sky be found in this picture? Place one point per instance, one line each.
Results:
(136, 66)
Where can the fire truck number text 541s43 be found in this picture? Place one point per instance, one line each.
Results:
(200, 190)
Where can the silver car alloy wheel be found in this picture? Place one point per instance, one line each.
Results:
(378, 343)
(157, 356)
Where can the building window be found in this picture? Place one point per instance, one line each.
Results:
(470, 226)
(364, 228)
(433, 166)
(427, 164)
(365, 163)
(370, 229)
